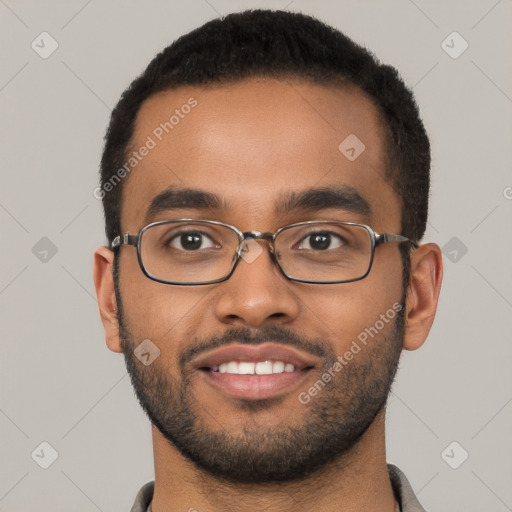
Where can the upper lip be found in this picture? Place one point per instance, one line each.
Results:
(255, 353)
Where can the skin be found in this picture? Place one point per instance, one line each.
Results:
(248, 143)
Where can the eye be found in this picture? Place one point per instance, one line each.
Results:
(322, 240)
(192, 241)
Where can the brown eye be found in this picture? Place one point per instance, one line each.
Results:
(322, 241)
(192, 241)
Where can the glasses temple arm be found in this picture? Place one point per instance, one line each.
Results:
(387, 237)
(125, 239)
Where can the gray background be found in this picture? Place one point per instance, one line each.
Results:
(60, 383)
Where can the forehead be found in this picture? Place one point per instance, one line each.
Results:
(251, 143)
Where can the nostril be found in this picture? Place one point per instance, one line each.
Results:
(277, 315)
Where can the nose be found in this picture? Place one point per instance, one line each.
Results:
(257, 293)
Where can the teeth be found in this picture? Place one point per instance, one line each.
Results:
(259, 368)
(277, 367)
(243, 368)
(264, 368)
(232, 367)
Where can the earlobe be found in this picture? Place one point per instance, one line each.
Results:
(422, 294)
(105, 293)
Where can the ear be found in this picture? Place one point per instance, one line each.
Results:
(422, 294)
(104, 284)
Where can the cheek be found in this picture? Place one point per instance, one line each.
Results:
(159, 312)
(386, 273)
(342, 312)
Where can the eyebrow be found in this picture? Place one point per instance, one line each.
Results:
(174, 198)
(342, 197)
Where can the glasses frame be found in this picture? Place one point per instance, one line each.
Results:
(376, 240)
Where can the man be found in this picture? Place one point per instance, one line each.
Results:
(265, 184)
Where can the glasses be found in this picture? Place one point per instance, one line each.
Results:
(196, 252)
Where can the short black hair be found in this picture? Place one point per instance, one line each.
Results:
(279, 44)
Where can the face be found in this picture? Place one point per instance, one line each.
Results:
(256, 146)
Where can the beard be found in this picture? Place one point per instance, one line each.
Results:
(332, 424)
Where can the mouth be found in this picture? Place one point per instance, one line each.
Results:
(254, 368)
(255, 372)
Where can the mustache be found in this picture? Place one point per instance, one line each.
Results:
(246, 336)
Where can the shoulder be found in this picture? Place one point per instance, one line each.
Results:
(403, 491)
(144, 497)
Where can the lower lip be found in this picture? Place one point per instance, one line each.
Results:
(255, 387)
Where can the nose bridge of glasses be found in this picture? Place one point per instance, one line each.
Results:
(248, 236)
(257, 235)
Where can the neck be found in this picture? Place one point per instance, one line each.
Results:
(358, 481)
